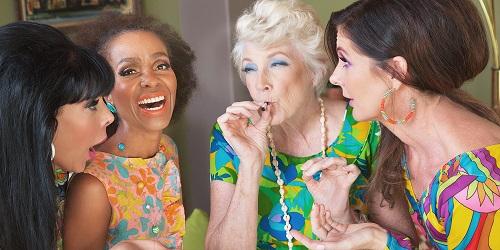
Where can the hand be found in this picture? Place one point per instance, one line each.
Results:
(244, 126)
(332, 189)
(138, 245)
(321, 222)
(346, 236)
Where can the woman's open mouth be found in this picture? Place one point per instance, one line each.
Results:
(152, 104)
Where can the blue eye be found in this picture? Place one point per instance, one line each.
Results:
(275, 63)
(249, 67)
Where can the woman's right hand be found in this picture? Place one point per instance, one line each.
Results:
(244, 126)
(334, 235)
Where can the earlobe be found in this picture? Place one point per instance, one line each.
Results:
(109, 99)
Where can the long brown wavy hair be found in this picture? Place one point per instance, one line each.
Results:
(444, 43)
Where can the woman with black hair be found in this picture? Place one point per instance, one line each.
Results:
(52, 114)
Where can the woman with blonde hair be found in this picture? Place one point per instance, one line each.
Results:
(272, 156)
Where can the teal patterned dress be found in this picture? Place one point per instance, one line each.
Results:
(357, 143)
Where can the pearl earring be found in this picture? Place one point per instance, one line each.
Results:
(53, 151)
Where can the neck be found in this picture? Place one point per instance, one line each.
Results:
(422, 135)
(303, 128)
(139, 143)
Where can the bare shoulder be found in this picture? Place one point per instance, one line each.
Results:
(170, 148)
(86, 188)
(87, 213)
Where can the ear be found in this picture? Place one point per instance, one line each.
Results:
(400, 67)
(109, 99)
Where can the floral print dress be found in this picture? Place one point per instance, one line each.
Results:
(144, 194)
(357, 143)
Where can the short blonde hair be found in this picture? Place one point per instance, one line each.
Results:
(270, 22)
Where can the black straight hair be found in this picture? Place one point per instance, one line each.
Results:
(40, 71)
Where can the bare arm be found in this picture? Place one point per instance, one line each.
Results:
(87, 214)
(233, 210)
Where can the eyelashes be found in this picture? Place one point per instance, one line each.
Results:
(344, 61)
(273, 64)
(158, 66)
(127, 72)
(92, 104)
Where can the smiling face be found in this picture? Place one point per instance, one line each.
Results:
(277, 75)
(360, 79)
(80, 126)
(145, 87)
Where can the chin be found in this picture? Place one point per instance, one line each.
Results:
(361, 117)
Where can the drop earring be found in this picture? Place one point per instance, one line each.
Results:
(111, 107)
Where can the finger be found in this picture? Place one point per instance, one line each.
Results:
(309, 163)
(305, 176)
(227, 117)
(328, 220)
(243, 112)
(310, 244)
(322, 215)
(322, 164)
(265, 120)
(352, 169)
(317, 229)
(248, 104)
(339, 227)
(225, 121)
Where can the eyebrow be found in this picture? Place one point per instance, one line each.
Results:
(269, 56)
(132, 59)
(342, 51)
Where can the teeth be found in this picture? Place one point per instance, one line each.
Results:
(152, 100)
(155, 108)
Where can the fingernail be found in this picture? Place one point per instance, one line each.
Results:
(262, 108)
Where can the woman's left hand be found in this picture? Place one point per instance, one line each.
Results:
(347, 236)
(332, 189)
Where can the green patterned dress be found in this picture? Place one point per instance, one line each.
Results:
(357, 143)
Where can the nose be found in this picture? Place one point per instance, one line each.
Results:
(334, 77)
(149, 79)
(106, 116)
(263, 83)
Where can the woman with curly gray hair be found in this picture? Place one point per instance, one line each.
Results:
(273, 156)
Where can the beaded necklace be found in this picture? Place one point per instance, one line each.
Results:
(277, 171)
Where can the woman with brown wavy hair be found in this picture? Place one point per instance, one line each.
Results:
(403, 63)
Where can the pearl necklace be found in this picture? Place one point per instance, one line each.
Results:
(277, 171)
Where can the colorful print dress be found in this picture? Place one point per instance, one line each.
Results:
(356, 142)
(144, 194)
(460, 208)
